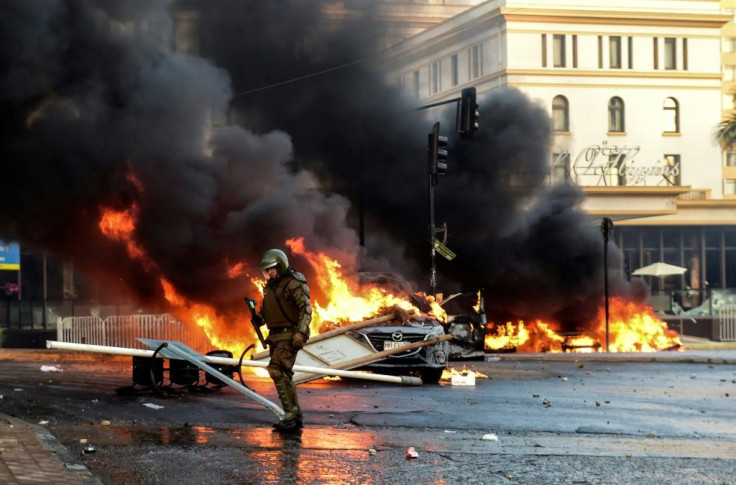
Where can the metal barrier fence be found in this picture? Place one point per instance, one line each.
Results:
(727, 317)
(123, 331)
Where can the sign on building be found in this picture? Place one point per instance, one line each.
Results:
(9, 256)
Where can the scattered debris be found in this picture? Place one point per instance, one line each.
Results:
(467, 379)
(152, 405)
(411, 453)
(692, 376)
(82, 441)
(535, 395)
(563, 378)
(450, 431)
(104, 422)
(89, 449)
(546, 402)
(51, 368)
(372, 451)
(43, 422)
(490, 437)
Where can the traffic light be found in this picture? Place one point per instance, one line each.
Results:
(469, 114)
(437, 150)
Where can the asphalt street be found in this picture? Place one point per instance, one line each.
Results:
(550, 418)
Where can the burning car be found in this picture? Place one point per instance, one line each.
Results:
(428, 362)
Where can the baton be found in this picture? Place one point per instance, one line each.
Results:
(255, 319)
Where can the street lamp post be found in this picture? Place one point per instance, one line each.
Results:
(607, 230)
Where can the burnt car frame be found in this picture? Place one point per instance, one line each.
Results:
(428, 362)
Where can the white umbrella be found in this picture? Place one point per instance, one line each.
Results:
(659, 270)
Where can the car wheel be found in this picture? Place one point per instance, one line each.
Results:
(431, 376)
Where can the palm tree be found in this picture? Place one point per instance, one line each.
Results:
(725, 135)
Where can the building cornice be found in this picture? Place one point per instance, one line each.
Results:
(626, 191)
(709, 203)
(624, 73)
(610, 17)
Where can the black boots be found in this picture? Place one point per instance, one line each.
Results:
(292, 420)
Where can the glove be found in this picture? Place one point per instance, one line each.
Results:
(298, 340)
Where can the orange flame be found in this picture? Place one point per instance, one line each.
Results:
(631, 328)
(120, 226)
(346, 299)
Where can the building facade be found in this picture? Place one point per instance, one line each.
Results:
(635, 91)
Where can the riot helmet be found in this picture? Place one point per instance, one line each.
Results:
(274, 258)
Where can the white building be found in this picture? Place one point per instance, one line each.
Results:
(635, 92)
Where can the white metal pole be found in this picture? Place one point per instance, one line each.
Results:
(407, 380)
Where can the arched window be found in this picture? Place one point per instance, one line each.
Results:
(616, 115)
(560, 114)
(671, 116)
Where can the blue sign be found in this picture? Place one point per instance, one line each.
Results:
(9, 256)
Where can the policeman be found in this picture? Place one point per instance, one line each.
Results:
(287, 313)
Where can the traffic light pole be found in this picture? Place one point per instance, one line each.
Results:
(433, 269)
(437, 165)
(466, 123)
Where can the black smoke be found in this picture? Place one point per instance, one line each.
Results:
(318, 145)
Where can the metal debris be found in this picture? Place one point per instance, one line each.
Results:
(51, 368)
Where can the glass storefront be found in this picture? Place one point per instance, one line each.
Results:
(708, 253)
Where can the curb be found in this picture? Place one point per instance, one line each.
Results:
(55, 448)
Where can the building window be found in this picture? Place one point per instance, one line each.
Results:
(434, 78)
(729, 187)
(574, 51)
(731, 159)
(671, 116)
(684, 54)
(670, 53)
(455, 70)
(616, 115)
(544, 50)
(416, 83)
(614, 52)
(729, 44)
(558, 50)
(656, 53)
(560, 114)
(631, 52)
(600, 52)
(560, 168)
(672, 169)
(475, 67)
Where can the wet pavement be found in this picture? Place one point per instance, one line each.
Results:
(356, 437)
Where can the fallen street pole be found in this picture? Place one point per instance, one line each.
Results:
(326, 371)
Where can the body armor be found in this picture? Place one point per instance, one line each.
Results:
(286, 307)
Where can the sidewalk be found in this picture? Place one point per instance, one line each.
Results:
(30, 454)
